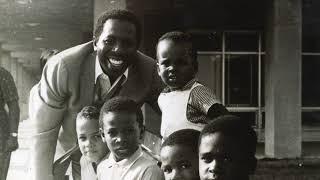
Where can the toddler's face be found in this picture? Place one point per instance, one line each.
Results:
(222, 158)
(179, 162)
(121, 133)
(90, 141)
(175, 65)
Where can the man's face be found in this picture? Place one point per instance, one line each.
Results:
(116, 47)
(222, 158)
(175, 65)
(121, 133)
(179, 162)
(90, 142)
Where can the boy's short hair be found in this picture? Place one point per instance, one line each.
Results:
(185, 137)
(120, 14)
(181, 37)
(121, 104)
(46, 55)
(89, 113)
(233, 127)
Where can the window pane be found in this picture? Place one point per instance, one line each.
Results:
(242, 42)
(207, 41)
(311, 43)
(310, 26)
(311, 119)
(210, 72)
(248, 117)
(241, 80)
(310, 81)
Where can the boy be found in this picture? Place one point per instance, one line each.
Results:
(227, 148)
(179, 155)
(92, 147)
(185, 103)
(121, 121)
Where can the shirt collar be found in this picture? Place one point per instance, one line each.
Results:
(98, 70)
(125, 162)
(188, 85)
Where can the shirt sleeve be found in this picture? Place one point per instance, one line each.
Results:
(202, 98)
(47, 109)
(153, 173)
(8, 88)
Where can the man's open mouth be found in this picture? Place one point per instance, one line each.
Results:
(116, 62)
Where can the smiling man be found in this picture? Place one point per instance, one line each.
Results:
(88, 74)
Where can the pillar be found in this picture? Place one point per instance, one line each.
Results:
(283, 79)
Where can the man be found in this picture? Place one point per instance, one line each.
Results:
(8, 121)
(89, 74)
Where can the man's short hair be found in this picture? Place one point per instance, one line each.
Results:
(233, 127)
(121, 104)
(185, 137)
(119, 14)
(89, 113)
(46, 55)
(181, 37)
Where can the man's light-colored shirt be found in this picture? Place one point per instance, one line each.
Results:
(136, 167)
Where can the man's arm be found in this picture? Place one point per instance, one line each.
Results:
(46, 111)
(14, 116)
(11, 98)
(156, 87)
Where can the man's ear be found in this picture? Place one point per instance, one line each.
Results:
(94, 43)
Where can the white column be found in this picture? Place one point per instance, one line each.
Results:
(283, 79)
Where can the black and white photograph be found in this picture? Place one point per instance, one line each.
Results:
(160, 89)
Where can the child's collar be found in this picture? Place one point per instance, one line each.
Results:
(188, 85)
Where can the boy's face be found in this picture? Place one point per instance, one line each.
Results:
(122, 133)
(179, 162)
(222, 158)
(175, 65)
(90, 141)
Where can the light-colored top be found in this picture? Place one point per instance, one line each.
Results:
(185, 108)
(137, 167)
(87, 171)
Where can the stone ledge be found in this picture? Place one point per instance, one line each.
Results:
(288, 166)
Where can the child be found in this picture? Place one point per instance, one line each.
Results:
(185, 103)
(227, 149)
(92, 147)
(121, 121)
(179, 155)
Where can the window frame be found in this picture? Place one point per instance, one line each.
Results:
(259, 109)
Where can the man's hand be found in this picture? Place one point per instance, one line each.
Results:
(12, 144)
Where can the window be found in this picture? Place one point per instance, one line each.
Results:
(310, 86)
(231, 64)
(310, 69)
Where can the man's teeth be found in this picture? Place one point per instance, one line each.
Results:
(116, 61)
